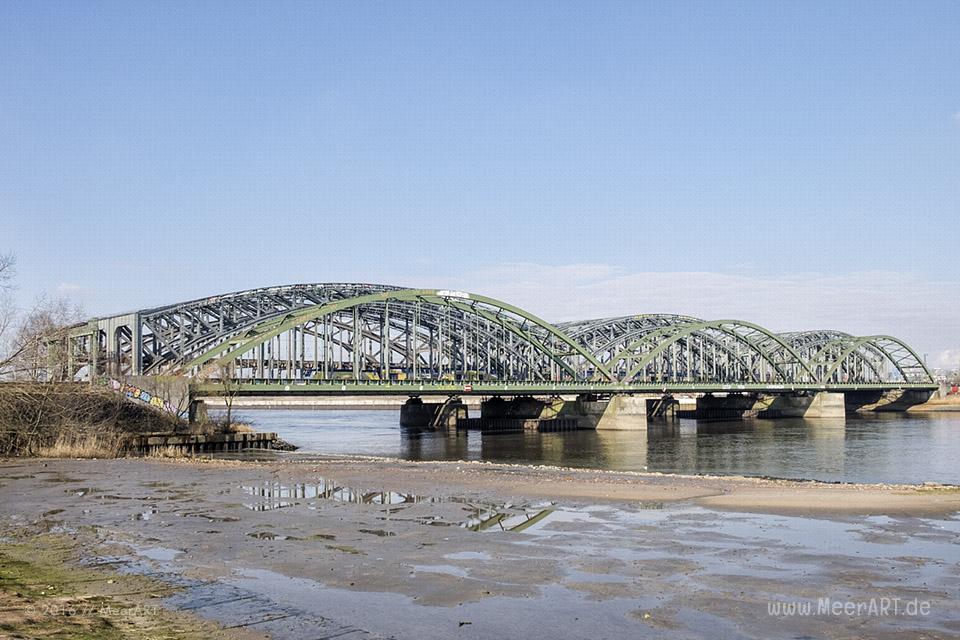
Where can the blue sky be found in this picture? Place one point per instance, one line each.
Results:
(663, 155)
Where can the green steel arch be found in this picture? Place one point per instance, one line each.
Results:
(759, 341)
(910, 366)
(542, 336)
(606, 338)
(821, 347)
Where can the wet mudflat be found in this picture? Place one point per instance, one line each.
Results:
(306, 551)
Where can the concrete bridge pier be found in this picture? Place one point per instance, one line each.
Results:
(663, 409)
(890, 400)
(519, 408)
(623, 413)
(586, 411)
(733, 406)
(822, 404)
(619, 412)
(737, 406)
(432, 415)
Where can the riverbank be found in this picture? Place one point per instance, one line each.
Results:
(947, 403)
(385, 548)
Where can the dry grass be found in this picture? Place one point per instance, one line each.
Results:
(239, 427)
(84, 445)
(170, 452)
(214, 427)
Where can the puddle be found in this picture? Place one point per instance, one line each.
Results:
(483, 517)
(269, 535)
(275, 493)
(447, 569)
(468, 555)
(160, 554)
(209, 517)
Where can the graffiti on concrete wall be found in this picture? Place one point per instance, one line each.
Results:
(142, 395)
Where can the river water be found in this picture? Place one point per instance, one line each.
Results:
(893, 448)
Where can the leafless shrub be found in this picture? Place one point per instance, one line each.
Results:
(34, 418)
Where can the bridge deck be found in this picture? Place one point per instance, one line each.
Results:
(327, 387)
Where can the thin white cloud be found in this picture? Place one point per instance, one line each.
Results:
(70, 288)
(946, 359)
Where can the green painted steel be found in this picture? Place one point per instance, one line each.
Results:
(414, 388)
(261, 333)
(433, 335)
(875, 342)
(677, 332)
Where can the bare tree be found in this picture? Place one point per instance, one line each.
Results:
(228, 389)
(34, 345)
(7, 313)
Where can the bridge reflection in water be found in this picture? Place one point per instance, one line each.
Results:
(754, 447)
(859, 448)
(475, 515)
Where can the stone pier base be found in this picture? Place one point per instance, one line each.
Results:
(624, 413)
(416, 413)
(893, 400)
(737, 406)
(817, 405)
(586, 411)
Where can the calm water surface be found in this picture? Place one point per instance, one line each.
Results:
(880, 448)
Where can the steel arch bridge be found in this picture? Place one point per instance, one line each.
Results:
(381, 334)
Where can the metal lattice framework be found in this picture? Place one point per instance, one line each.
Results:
(670, 348)
(606, 337)
(179, 332)
(417, 333)
(353, 331)
(867, 359)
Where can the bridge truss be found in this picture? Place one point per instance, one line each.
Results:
(370, 332)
